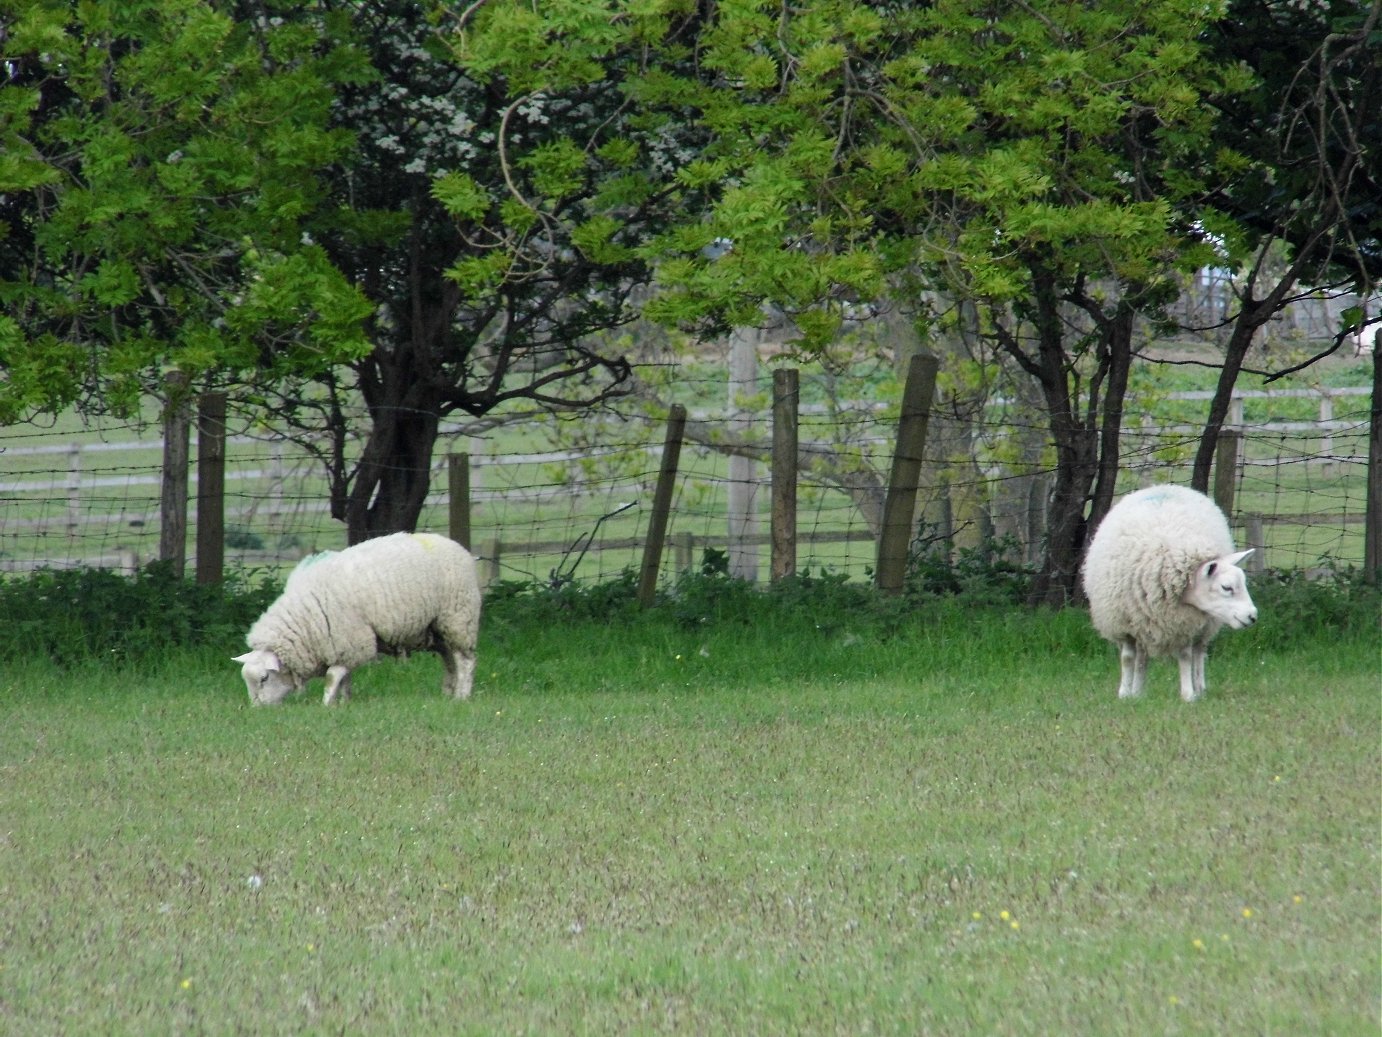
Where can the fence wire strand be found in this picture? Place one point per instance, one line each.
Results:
(89, 495)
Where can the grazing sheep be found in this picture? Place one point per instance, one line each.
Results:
(1162, 577)
(399, 593)
(306, 562)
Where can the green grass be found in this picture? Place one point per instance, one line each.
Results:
(937, 821)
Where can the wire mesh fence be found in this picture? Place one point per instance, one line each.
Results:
(560, 499)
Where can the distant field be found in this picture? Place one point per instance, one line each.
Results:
(943, 824)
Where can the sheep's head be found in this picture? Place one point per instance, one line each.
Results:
(1219, 589)
(265, 677)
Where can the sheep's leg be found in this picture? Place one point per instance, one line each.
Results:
(1133, 658)
(1201, 654)
(460, 672)
(337, 685)
(1191, 672)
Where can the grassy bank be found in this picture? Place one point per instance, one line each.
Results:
(935, 820)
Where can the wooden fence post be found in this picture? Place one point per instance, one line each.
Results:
(899, 507)
(458, 497)
(683, 547)
(786, 396)
(489, 558)
(172, 530)
(741, 491)
(1372, 528)
(1226, 469)
(662, 505)
(74, 492)
(1256, 536)
(211, 488)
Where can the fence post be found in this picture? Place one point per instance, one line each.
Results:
(786, 396)
(899, 507)
(1226, 469)
(1372, 528)
(683, 546)
(742, 489)
(1257, 540)
(74, 491)
(489, 559)
(172, 530)
(458, 497)
(662, 505)
(211, 487)
(275, 491)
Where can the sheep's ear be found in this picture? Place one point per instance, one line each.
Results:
(1208, 569)
(268, 660)
(1234, 559)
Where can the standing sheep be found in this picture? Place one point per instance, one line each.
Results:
(1162, 578)
(398, 593)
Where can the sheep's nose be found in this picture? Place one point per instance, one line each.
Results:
(1252, 617)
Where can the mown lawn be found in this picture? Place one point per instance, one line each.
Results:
(945, 824)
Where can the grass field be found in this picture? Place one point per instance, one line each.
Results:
(942, 823)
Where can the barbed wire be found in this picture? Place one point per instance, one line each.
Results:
(89, 494)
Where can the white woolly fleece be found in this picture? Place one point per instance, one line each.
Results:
(1141, 561)
(406, 591)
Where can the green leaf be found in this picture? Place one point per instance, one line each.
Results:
(461, 196)
(594, 238)
(557, 169)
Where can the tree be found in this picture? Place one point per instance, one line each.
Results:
(491, 212)
(157, 162)
(1048, 164)
(317, 203)
(1311, 130)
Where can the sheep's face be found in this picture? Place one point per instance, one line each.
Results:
(265, 677)
(1219, 589)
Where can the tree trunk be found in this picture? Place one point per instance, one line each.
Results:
(1244, 328)
(1076, 452)
(1254, 313)
(1115, 391)
(1057, 581)
(393, 475)
(1085, 431)
(394, 472)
